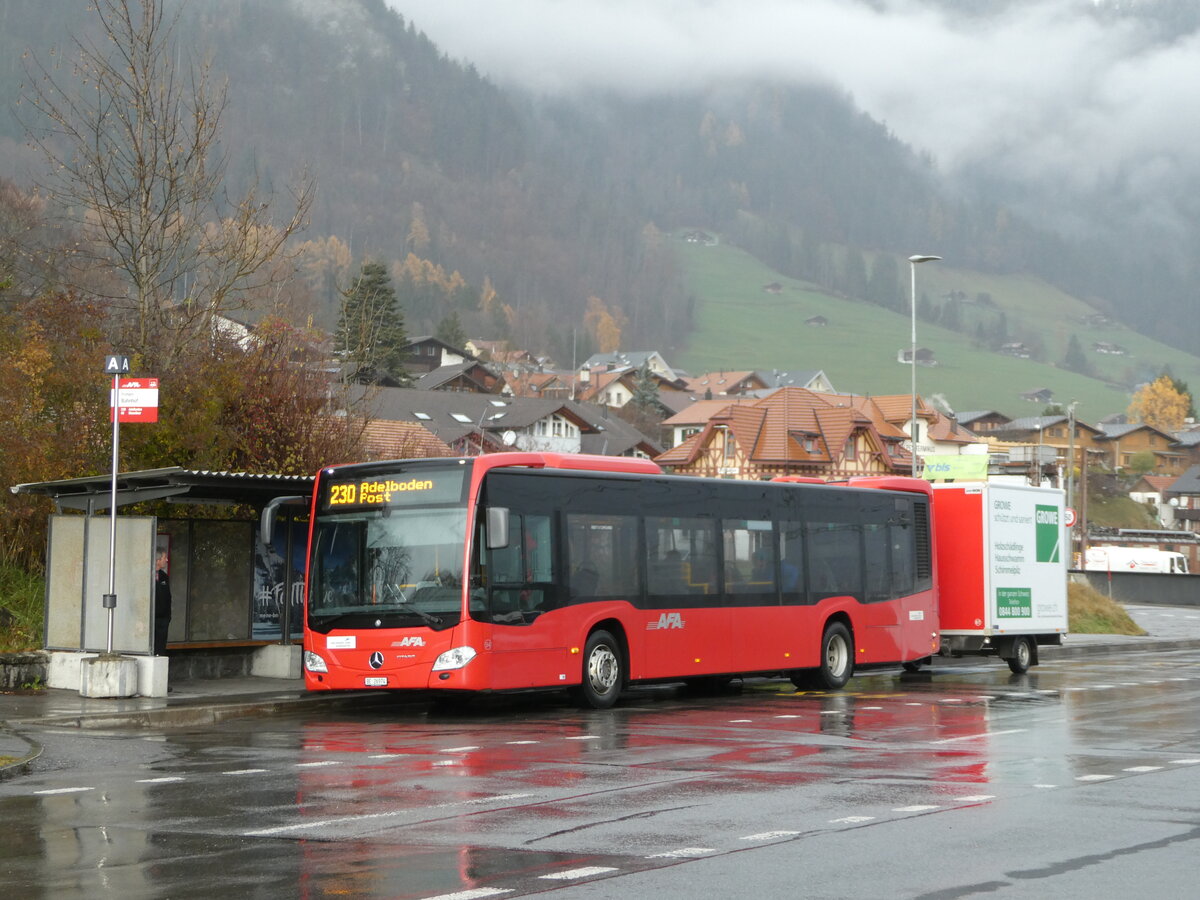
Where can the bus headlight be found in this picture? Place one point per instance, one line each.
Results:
(454, 659)
(314, 663)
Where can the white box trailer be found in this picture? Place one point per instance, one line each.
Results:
(1002, 554)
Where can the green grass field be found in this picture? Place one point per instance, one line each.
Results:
(739, 326)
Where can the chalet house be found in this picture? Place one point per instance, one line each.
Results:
(1038, 395)
(538, 384)
(700, 237)
(401, 440)
(424, 354)
(810, 380)
(692, 420)
(924, 356)
(773, 288)
(791, 432)
(470, 423)
(633, 359)
(1016, 349)
(1033, 437)
(1183, 495)
(982, 421)
(1122, 442)
(723, 384)
(473, 377)
(816, 321)
(1108, 349)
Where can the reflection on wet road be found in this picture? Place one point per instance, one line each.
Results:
(531, 795)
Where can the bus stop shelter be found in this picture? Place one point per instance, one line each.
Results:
(229, 589)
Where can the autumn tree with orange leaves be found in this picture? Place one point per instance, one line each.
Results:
(1160, 405)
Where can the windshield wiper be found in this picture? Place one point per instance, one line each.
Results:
(406, 604)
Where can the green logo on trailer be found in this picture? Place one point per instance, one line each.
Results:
(1049, 534)
(1014, 602)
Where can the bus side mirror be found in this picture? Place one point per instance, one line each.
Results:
(497, 527)
(266, 524)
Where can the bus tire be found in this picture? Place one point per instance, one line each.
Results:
(837, 661)
(914, 666)
(1022, 655)
(603, 671)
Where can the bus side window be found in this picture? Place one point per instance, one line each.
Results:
(791, 563)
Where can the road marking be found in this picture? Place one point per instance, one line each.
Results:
(778, 717)
(1142, 769)
(869, 707)
(732, 721)
(384, 755)
(318, 764)
(366, 817)
(74, 790)
(851, 820)
(769, 835)
(982, 734)
(166, 779)
(447, 762)
(473, 894)
(522, 743)
(1094, 777)
(834, 712)
(918, 808)
(585, 872)
(952, 700)
(683, 853)
(1044, 691)
(976, 798)
(1045, 786)
(243, 772)
(458, 749)
(577, 737)
(1184, 762)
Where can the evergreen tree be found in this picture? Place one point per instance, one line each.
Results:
(370, 332)
(645, 393)
(1075, 360)
(450, 331)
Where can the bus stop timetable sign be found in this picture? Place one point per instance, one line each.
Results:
(136, 400)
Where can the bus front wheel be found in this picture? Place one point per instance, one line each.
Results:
(837, 661)
(603, 671)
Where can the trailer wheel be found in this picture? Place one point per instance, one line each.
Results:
(1022, 655)
(603, 671)
(837, 661)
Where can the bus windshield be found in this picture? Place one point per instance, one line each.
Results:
(389, 568)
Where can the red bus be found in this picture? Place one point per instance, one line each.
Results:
(517, 571)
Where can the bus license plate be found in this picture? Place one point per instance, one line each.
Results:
(375, 682)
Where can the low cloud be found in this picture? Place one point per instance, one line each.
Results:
(1039, 90)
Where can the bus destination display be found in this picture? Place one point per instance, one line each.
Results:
(401, 489)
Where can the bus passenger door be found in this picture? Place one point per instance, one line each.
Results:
(528, 643)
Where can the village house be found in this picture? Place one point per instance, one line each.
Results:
(1122, 443)
(792, 431)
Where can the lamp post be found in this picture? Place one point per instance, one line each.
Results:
(912, 359)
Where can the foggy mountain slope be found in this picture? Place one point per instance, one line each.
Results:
(557, 196)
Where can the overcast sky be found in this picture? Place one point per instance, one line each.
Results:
(1043, 88)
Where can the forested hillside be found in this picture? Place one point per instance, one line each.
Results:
(518, 214)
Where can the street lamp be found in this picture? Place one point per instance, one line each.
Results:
(912, 359)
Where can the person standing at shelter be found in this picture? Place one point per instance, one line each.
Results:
(162, 602)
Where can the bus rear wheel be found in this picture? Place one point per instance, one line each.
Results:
(603, 671)
(837, 661)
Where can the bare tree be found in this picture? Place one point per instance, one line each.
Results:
(132, 135)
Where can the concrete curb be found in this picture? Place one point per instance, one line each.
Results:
(205, 712)
(19, 765)
(1135, 644)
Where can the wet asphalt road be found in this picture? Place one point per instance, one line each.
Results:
(1081, 779)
